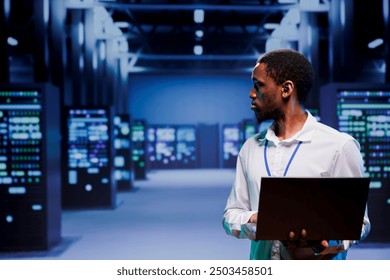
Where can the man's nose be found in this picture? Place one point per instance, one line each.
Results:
(253, 93)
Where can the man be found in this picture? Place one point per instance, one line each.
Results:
(295, 145)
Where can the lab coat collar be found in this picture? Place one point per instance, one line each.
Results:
(304, 135)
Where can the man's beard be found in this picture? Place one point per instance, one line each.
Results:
(274, 114)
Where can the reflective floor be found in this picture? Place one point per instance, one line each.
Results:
(174, 214)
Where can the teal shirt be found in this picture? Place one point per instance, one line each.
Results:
(261, 250)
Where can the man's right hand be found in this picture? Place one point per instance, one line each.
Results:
(253, 219)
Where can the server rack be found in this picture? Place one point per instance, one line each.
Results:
(151, 146)
(165, 147)
(30, 199)
(88, 181)
(122, 160)
(362, 110)
(248, 128)
(139, 151)
(186, 146)
(230, 144)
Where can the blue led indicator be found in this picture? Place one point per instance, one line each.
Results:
(36, 207)
(9, 218)
(72, 177)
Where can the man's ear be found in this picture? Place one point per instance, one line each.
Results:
(287, 88)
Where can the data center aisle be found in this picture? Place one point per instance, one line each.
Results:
(174, 214)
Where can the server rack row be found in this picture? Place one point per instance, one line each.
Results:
(179, 146)
(172, 146)
(101, 151)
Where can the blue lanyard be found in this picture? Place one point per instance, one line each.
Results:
(289, 162)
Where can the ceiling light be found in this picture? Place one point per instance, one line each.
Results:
(12, 41)
(198, 50)
(198, 16)
(271, 26)
(122, 24)
(199, 33)
(375, 43)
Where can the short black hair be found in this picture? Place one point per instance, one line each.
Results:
(287, 64)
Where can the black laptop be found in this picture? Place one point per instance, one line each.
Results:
(327, 208)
